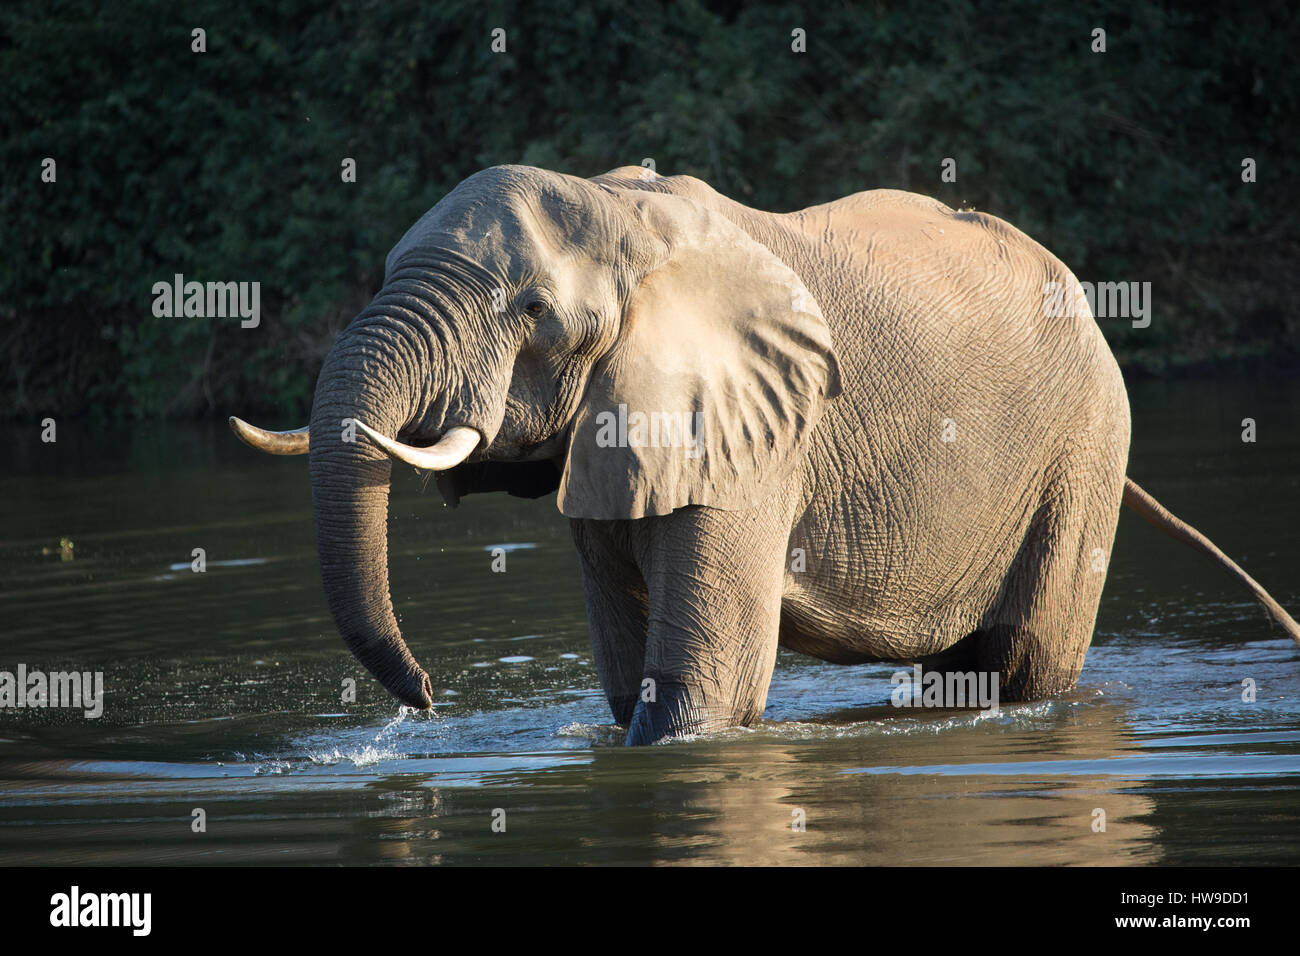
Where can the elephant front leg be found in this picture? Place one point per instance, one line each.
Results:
(714, 580)
(616, 611)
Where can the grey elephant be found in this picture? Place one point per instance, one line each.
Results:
(852, 430)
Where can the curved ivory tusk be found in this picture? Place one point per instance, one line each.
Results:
(275, 443)
(453, 448)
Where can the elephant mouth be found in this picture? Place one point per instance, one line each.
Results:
(513, 451)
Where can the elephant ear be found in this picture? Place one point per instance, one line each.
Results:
(721, 370)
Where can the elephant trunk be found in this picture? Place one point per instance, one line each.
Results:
(351, 506)
(368, 376)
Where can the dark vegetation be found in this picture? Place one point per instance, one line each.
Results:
(225, 166)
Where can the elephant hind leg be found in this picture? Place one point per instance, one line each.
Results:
(1037, 635)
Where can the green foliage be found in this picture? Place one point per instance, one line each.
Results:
(225, 165)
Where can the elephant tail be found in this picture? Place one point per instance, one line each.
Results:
(1158, 515)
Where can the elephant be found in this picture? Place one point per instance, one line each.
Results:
(851, 430)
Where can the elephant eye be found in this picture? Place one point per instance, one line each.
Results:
(535, 307)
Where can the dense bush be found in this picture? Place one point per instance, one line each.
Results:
(225, 165)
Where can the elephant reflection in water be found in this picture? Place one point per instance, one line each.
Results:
(742, 797)
(741, 800)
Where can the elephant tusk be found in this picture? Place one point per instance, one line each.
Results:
(274, 443)
(453, 448)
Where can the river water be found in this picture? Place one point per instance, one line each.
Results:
(223, 690)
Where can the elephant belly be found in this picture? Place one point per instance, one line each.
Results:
(802, 631)
(842, 634)
(872, 578)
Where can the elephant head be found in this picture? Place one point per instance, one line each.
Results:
(515, 318)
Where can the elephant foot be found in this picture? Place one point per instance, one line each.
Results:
(675, 710)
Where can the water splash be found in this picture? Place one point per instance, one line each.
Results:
(597, 735)
(365, 757)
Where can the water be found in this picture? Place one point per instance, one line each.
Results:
(223, 690)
